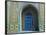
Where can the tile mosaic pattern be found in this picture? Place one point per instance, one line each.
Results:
(15, 20)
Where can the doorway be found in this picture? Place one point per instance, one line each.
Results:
(30, 18)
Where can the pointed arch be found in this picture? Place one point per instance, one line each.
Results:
(30, 18)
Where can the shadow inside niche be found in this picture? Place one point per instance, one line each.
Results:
(30, 18)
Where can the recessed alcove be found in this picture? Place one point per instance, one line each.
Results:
(30, 18)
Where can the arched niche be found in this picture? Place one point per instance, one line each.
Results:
(29, 18)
